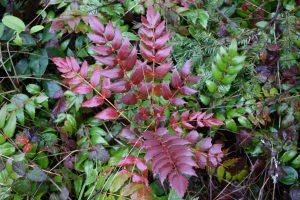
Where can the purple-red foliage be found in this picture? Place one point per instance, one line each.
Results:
(120, 69)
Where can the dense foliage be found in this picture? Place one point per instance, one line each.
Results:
(149, 99)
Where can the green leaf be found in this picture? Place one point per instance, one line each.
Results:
(7, 149)
(36, 28)
(30, 108)
(20, 116)
(204, 99)
(244, 122)
(232, 49)
(203, 17)
(217, 74)
(5, 180)
(234, 69)
(14, 23)
(220, 173)
(237, 60)
(10, 126)
(33, 89)
(296, 162)
(290, 175)
(287, 156)
(96, 136)
(231, 125)
(118, 181)
(38, 62)
(78, 184)
(42, 160)
(228, 78)
(117, 156)
(37, 175)
(262, 24)
(3, 114)
(130, 36)
(53, 89)
(220, 63)
(197, 16)
(211, 86)
(70, 124)
(1, 29)
(173, 195)
(18, 40)
(22, 67)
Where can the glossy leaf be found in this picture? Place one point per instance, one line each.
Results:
(108, 114)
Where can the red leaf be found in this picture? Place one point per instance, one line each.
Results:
(73, 63)
(130, 61)
(93, 102)
(193, 79)
(56, 25)
(108, 114)
(164, 171)
(152, 16)
(187, 91)
(120, 86)
(148, 43)
(141, 165)
(109, 32)
(98, 39)
(96, 25)
(108, 60)
(157, 89)
(144, 89)
(162, 54)
(179, 183)
(186, 169)
(145, 22)
(95, 78)
(192, 137)
(138, 75)
(186, 69)
(159, 29)
(82, 89)
(214, 122)
(105, 88)
(117, 41)
(124, 50)
(102, 50)
(84, 69)
(215, 149)
(165, 91)
(202, 159)
(176, 80)
(184, 116)
(60, 106)
(27, 148)
(146, 53)
(136, 178)
(127, 134)
(113, 73)
(162, 70)
(22, 139)
(177, 101)
(73, 22)
(205, 144)
(161, 41)
(129, 99)
(145, 33)
(127, 161)
(61, 64)
(74, 81)
(70, 74)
